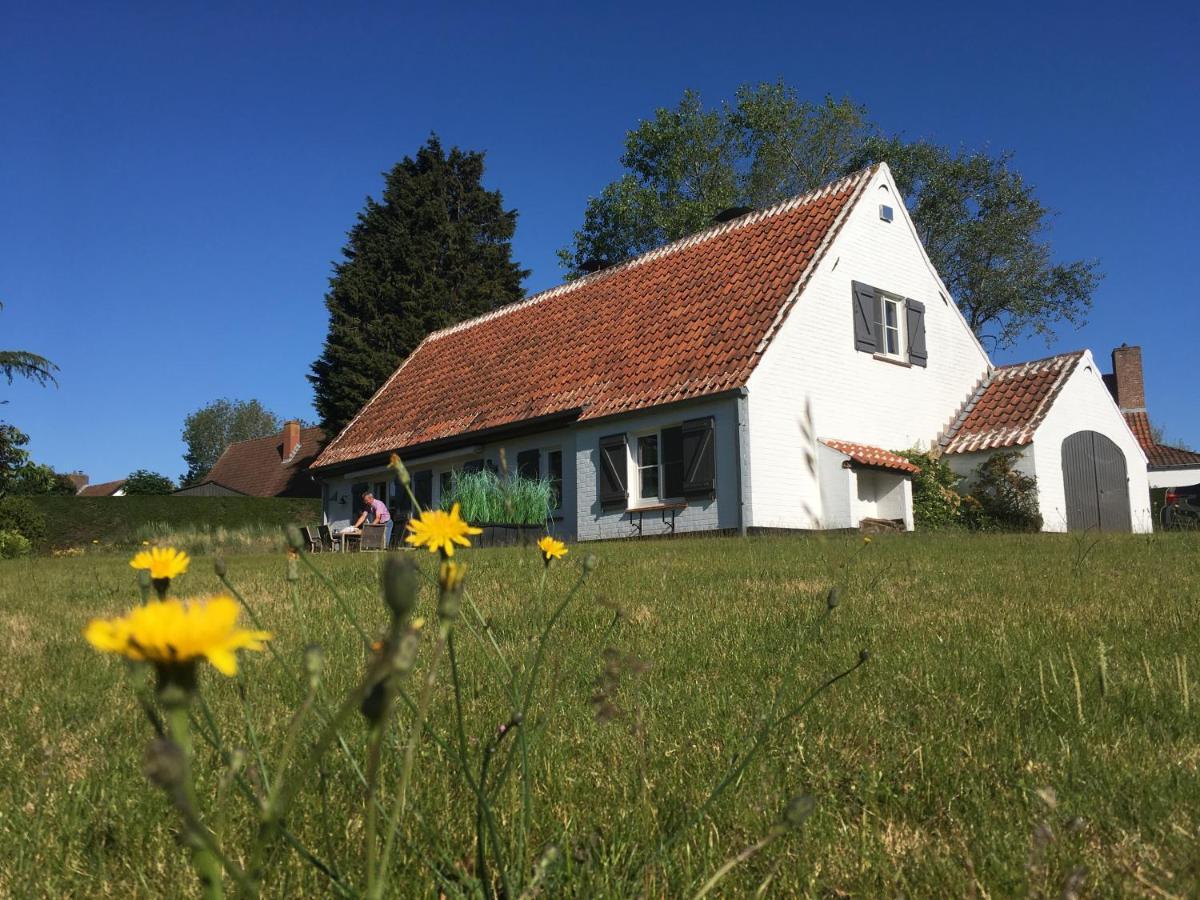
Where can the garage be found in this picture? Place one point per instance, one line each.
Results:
(1096, 483)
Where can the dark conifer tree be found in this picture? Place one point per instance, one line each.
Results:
(435, 249)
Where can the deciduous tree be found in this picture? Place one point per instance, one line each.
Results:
(212, 428)
(144, 481)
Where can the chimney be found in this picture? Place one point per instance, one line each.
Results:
(79, 479)
(1127, 377)
(291, 439)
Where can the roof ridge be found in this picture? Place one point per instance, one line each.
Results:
(699, 237)
(1078, 354)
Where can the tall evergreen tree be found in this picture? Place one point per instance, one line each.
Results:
(433, 250)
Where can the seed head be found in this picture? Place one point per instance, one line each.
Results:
(832, 600)
(314, 663)
(294, 538)
(400, 585)
(219, 566)
(164, 764)
(590, 562)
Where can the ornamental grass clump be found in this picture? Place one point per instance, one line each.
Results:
(410, 704)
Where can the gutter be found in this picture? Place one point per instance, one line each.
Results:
(742, 456)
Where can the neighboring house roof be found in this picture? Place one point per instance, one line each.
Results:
(687, 320)
(1009, 405)
(873, 457)
(1159, 456)
(103, 489)
(263, 467)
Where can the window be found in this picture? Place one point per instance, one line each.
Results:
(555, 473)
(892, 319)
(445, 486)
(647, 466)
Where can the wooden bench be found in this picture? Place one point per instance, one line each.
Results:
(637, 514)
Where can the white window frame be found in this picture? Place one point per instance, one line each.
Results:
(900, 328)
(636, 500)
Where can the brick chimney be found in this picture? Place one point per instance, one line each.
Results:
(1127, 378)
(291, 439)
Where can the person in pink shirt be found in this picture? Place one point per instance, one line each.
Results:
(379, 514)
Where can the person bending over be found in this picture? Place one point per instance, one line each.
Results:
(379, 514)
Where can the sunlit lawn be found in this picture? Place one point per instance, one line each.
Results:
(928, 765)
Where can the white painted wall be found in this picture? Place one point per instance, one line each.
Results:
(1168, 478)
(595, 521)
(1085, 404)
(812, 383)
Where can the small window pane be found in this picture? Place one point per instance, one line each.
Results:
(554, 465)
(648, 450)
(648, 466)
(650, 483)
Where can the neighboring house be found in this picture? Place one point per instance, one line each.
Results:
(103, 489)
(1168, 466)
(275, 466)
(753, 376)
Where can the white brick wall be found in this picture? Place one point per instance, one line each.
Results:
(812, 383)
(596, 521)
(1168, 478)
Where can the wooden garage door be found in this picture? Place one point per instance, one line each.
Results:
(1096, 483)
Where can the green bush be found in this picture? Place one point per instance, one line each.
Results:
(1002, 498)
(485, 497)
(21, 515)
(146, 482)
(937, 503)
(13, 545)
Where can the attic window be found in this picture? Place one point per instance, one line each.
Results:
(885, 212)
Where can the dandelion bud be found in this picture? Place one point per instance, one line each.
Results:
(398, 469)
(451, 575)
(374, 703)
(164, 765)
(294, 538)
(590, 562)
(864, 655)
(797, 810)
(400, 585)
(833, 599)
(143, 577)
(405, 656)
(293, 567)
(219, 566)
(314, 663)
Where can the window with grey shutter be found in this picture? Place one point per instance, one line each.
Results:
(918, 355)
(699, 458)
(529, 463)
(672, 462)
(614, 470)
(866, 314)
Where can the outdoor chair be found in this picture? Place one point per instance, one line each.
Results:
(374, 537)
(314, 543)
(325, 534)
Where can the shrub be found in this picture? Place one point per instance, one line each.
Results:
(13, 545)
(937, 503)
(486, 497)
(145, 482)
(19, 514)
(1003, 498)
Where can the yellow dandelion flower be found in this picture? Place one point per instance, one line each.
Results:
(175, 632)
(163, 562)
(552, 549)
(440, 530)
(451, 575)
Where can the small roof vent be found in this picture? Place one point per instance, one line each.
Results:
(730, 213)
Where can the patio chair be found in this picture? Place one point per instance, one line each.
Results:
(325, 535)
(314, 543)
(374, 537)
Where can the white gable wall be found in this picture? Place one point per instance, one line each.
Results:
(1169, 478)
(812, 383)
(1085, 404)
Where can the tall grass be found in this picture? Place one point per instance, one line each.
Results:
(208, 540)
(484, 497)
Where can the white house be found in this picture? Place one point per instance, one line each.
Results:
(756, 375)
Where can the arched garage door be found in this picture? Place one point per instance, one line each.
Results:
(1096, 483)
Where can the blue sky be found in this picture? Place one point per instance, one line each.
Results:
(175, 183)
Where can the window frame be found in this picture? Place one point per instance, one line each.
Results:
(900, 328)
(546, 452)
(636, 500)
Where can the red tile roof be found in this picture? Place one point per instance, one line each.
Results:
(259, 468)
(685, 320)
(1009, 405)
(875, 457)
(102, 489)
(1158, 455)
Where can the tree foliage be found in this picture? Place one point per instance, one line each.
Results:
(34, 479)
(13, 455)
(208, 431)
(144, 481)
(983, 226)
(685, 165)
(433, 250)
(23, 364)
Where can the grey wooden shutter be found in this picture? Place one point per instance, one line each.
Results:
(671, 454)
(914, 312)
(422, 485)
(699, 458)
(866, 312)
(614, 470)
(529, 464)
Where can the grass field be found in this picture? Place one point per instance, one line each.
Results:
(1028, 723)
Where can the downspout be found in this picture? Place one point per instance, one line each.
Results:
(742, 450)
